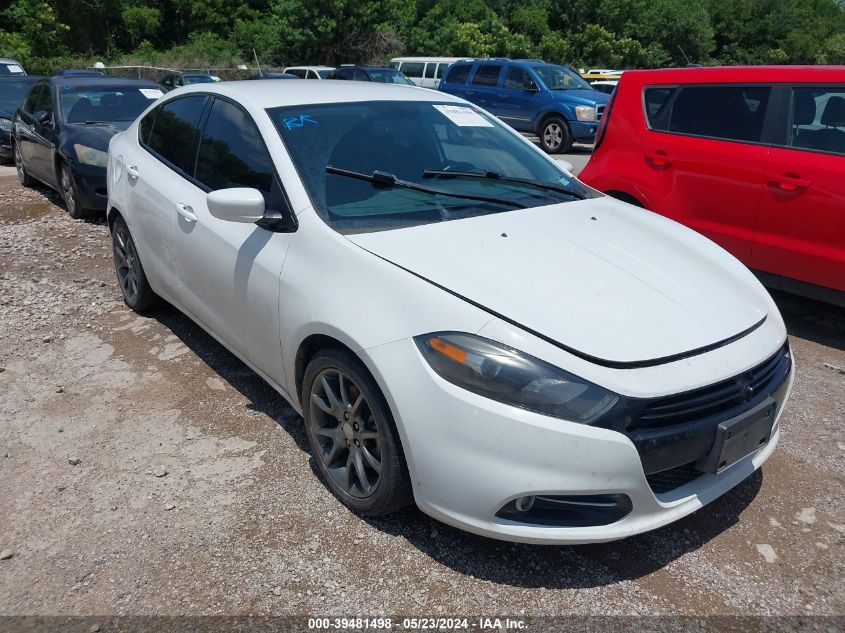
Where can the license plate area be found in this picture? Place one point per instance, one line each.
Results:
(739, 437)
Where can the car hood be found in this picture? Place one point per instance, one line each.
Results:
(585, 97)
(96, 135)
(609, 282)
(6, 113)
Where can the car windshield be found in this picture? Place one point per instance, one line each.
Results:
(83, 104)
(413, 141)
(198, 79)
(13, 92)
(561, 78)
(390, 76)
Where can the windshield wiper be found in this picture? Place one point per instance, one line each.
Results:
(385, 179)
(492, 175)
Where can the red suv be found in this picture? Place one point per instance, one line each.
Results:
(752, 157)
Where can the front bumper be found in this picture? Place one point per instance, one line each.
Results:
(90, 186)
(584, 131)
(469, 456)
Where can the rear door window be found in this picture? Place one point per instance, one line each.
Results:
(232, 153)
(429, 71)
(818, 119)
(458, 74)
(175, 134)
(487, 75)
(731, 113)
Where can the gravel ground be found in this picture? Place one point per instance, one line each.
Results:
(145, 470)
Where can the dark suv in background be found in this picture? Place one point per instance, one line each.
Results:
(380, 74)
(531, 96)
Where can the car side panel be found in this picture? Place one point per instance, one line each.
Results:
(801, 232)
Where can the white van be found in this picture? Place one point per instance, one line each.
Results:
(423, 71)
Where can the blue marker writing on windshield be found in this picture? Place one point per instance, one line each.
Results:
(298, 121)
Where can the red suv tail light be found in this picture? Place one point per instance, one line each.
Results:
(605, 119)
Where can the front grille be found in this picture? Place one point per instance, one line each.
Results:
(716, 399)
(599, 112)
(672, 478)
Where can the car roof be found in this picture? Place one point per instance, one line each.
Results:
(29, 78)
(310, 67)
(93, 81)
(260, 94)
(733, 74)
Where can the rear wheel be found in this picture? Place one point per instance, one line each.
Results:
(23, 176)
(352, 435)
(131, 278)
(555, 136)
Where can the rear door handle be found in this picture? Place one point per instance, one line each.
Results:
(186, 212)
(132, 173)
(789, 181)
(503, 96)
(469, 93)
(659, 158)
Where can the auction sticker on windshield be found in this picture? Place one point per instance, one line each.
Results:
(463, 116)
(151, 93)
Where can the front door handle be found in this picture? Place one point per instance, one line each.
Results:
(503, 96)
(469, 93)
(132, 173)
(790, 181)
(659, 158)
(186, 212)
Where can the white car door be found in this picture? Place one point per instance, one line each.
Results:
(228, 272)
(158, 180)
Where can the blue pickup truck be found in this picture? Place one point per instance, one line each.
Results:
(548, 100)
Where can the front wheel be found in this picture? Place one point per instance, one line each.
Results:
(136, 290)
(70, 194)
(352, 435)
(554, 136)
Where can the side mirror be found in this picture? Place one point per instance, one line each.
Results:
(530, 86)
(238, 204)
(43, 117)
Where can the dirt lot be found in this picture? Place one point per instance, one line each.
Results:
(144, 470)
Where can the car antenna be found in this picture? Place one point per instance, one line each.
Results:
(689, 63)
(260, 74)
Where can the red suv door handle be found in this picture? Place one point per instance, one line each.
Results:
(789, 181)
(659, 158)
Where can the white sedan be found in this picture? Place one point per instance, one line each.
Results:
(461, 323)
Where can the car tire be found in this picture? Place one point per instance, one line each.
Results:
(23, 175)
(70, 193)
(352, 435)
(136, 290)
(555, 137)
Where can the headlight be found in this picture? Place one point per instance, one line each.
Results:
(5, 124)
(91, 156)
(501, 373)
(585, 113)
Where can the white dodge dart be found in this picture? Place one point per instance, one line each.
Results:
(461, 322)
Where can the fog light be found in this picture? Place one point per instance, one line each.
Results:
(567, 510)
(524, 504)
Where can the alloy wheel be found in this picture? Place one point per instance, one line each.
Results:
(346, 432)
(19, 164)
(127, 264)
(67, 191)
(553, 136)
